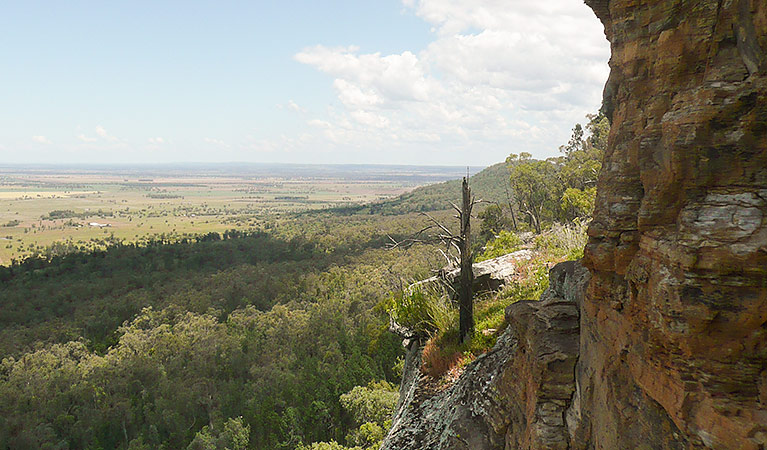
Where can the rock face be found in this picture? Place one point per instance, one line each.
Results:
(492, 274)
(674, 325)
(671, 352)
(489, 275)
(516, 394)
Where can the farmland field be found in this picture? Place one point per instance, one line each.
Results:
(43, 206)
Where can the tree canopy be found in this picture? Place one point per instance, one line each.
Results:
(561, 188)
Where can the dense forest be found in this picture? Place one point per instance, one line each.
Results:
(272, 337)
(142, 346)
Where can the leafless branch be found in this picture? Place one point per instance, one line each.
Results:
(442, 227)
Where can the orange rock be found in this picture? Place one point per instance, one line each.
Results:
(687, 170)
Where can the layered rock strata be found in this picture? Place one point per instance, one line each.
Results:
(674, 326)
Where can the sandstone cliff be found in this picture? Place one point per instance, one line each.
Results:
(670, 349)
(674, 325)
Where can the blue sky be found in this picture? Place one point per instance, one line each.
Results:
(400, 82)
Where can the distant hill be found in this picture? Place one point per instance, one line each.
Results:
(490, 185)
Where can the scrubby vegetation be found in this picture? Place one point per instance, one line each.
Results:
(552, 202)
(432, 313)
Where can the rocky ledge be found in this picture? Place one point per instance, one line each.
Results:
(489, 275)
(517, 393)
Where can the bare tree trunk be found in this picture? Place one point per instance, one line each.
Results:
(511, 209)
(465, 294)
(535, 218)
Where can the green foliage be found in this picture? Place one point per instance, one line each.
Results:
(506, 242)
(423, 309)
(271, 327)
(60, 214)
(494, 221)
(372, 403)
(531, 287)
(579, 203)
(535, 186)
(369, 435)
(233, 436)
(371, 408)
(563, 188)
(332, 445)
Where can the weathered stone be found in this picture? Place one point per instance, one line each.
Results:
(489, 275)
(674, 326)
(492, 274)
(517, 394)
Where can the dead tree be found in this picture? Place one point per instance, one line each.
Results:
(460, 243)
(465, 293)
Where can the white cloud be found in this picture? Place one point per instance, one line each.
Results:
(156, 140)
(217, 142)
(102, 133)
(41, 140)
(292, 106)
(295, 107)
(498, 75)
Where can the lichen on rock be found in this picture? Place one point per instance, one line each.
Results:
(520, 389)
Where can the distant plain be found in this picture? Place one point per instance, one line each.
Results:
(87, 206)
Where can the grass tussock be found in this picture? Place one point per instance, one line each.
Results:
(564, 241)
(424, 309)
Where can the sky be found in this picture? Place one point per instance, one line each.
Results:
(434, 82)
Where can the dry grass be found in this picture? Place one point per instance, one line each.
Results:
(437, 359)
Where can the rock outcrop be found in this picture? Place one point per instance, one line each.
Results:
(517, 392)
(489, 275)
(671, 351)
(674, 325)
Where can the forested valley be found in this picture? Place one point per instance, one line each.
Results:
(271, 337)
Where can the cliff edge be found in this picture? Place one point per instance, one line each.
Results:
(664, 344)
(517, 392)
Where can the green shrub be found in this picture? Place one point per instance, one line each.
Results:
(580, 203)
(233, 436)
(372, 403)
(505, 242)
(332, 445)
